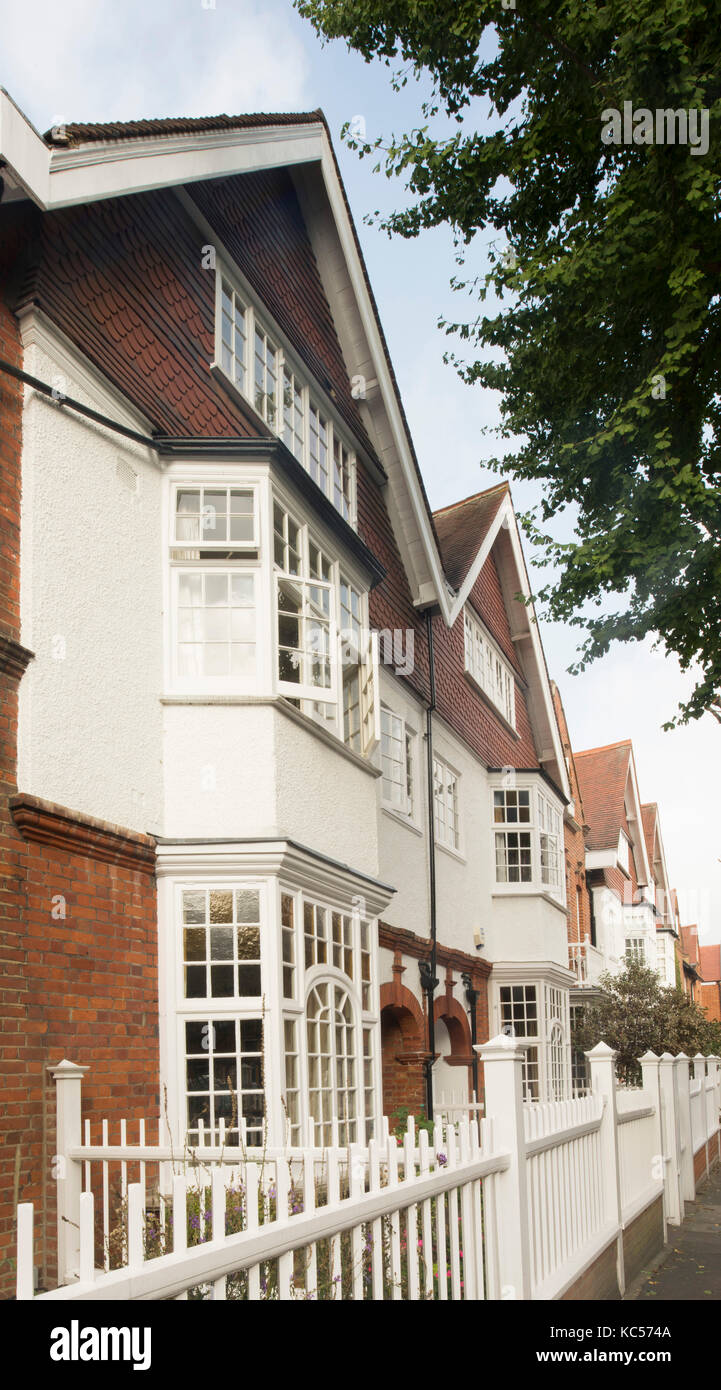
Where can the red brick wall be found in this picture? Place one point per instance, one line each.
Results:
(81, 985)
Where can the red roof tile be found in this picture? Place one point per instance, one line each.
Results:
(602, 774)
(462, 528)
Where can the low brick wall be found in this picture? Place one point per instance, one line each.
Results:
(598, 1283)
(643, 1240)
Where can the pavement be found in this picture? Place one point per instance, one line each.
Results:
(691, 1266)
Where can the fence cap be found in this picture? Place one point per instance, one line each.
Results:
(649, 1056)
(699, 1057)
(683, 1057)
(503, 1045)
(667, 1057)
(600, 1051)
(68, 1071)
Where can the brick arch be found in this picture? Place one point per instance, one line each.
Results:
(403, 1048)
(459, 1029)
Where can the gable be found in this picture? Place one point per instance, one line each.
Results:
(259, 220)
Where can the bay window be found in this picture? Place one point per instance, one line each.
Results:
(260, 605)
(528, 840)
(250, 355)
(539, 1013)
(271, 977)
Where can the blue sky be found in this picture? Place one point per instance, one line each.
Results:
(96, 60)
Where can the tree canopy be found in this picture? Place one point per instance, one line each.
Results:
(600, 315)
(635, 1013)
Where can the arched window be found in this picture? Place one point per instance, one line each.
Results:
(332, 1053)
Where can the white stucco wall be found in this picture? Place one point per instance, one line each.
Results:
(89, 718)
(521, 927)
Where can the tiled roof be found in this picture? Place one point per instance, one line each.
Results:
(73, 134)
(689, 944)
(462, 528)
(710, 957)
(77, 133)
(602, 774)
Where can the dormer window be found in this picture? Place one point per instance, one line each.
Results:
(489, 669)
(264, 371)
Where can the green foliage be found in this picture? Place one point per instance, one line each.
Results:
(636, 1014)
(603, 330)
(399, 1122)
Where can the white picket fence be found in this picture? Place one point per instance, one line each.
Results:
(518, 1205)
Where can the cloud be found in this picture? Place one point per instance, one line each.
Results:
(86, 61)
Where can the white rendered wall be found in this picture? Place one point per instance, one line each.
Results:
(519, 927)
(241, 770)
(89, 717)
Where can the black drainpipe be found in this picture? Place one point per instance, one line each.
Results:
(472, 999)
(427, 968)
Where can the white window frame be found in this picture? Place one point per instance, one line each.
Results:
(550, 1044)
(488, 668)
(368, 658)
(441, 824)
(541, 806)
(246, 560)
(311, 395)
(406, 736)
(256, 556)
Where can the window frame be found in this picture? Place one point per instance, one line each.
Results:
(341, 575)
(408, 741)
(482, 668)
(538, 796)
(313, 396)
(454, 847)
(247, 559)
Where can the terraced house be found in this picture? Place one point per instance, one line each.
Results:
(287, 820)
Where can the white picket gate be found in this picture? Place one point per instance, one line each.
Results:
(518, 1205)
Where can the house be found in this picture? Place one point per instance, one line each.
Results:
(710, 986)
(692, 972)
(618, 871)
(284, 794)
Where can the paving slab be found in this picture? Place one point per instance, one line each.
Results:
(691, 1268)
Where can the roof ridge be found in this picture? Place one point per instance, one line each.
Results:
(473, 497)
(64, 132)
(605, 747)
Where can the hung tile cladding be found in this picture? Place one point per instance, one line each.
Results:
(228, 813)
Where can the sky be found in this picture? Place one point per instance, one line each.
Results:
(95, 60)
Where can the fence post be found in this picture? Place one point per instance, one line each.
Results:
(671, 1137)
(502, 1059)
(68, 1077)
(683, 1090)
(652, 1088)
(601, 1061)
(714, 1067)
(699, 1074)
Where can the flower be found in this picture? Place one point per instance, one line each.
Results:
(441, 1160)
